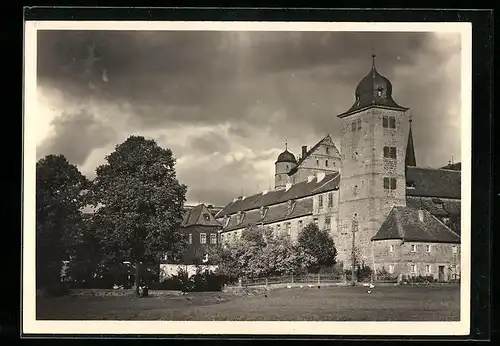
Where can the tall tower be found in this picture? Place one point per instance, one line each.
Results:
(373, 145)
(285, 162)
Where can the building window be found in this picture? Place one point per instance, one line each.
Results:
(355, 190)
(278, 228)
(190, 238)
(288, 227)
(203, 238)
(390, 183)
(359, 124)
(326, 163)
(388, 122)
(413, 248)
(353, 126)
(320, 201)
(391, 248)
(390, 152)
(413, 268)
(317, 163)
(300, 224)
(330, 200)
(454, 249)
(428, 269)
(213, 238)
(427, 248)
(391, 268)
(328, 222)
(315, 221)
(327, 150)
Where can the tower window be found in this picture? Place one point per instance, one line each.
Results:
(388, 122)
(330, 200)
(327, 150)
(317, 162)
(326, 163)
(390, 152)
(353, 126)
(390, 183)
(320, 201)
(359, 124)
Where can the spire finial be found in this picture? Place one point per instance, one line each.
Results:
(410, 120)
(373, 57)
(286, 144)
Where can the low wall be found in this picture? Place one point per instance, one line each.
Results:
(168, 270)
(118, 292)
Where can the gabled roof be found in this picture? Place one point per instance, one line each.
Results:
(296, 191)
(199, 216)
(325, 140)
(429, 182)
(435, 206)
(454, 166)
(275, 213)
(403, 223)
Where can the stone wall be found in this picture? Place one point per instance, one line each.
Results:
(402, 258)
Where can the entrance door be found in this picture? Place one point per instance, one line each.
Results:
(441, 273)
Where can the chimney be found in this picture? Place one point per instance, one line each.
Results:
(310, 178)
(321, 176)
(288, 186)
(304, 151)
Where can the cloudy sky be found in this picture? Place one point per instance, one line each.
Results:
(226, 102)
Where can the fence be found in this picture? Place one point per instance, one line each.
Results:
(316, 279)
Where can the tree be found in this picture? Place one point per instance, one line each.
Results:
(283, 257)
(318, 244)
(141, 203)
(59, 200)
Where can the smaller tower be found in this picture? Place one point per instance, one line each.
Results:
(285, 162)
(410, 150)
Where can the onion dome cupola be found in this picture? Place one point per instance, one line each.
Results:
(373, 90)
(286, 156)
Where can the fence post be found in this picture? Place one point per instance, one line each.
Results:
(266, 283)
(319, 281)
(292, 278)
(240, 282)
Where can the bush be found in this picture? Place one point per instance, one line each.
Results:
(384, 275)
(418, 279)
(364, 273)
(200, 282)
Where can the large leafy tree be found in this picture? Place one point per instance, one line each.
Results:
(59, 199)
(318, 244)
(141, 203)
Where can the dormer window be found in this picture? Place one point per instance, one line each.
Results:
(206, 217)
(226, 220)
(263, 211)
(379, 91)
(239, 217)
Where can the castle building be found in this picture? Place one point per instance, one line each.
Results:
(400, 217)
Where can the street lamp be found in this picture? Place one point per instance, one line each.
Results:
(353, 254)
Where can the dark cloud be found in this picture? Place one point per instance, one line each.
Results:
(265, 86)
(75, 135)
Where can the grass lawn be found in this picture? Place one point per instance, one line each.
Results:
(388, 303)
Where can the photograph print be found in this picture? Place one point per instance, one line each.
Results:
(195, 175)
